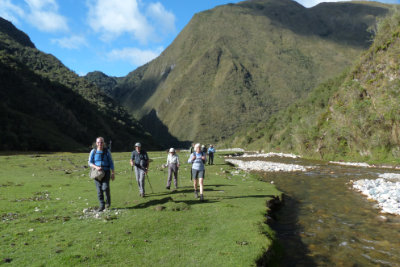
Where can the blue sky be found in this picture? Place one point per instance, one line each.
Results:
(112, 36)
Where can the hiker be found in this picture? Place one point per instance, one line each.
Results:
(204, 149)
(100, 158)
(173, 166)
(198, 158)
(211, 151)
(140, 160)
(192, 148)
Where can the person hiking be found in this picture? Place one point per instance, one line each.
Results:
(101, 159)
(191, 148)
(140, 160)
(204, 149)
(198, 158)
(210, 152)
(173, 166)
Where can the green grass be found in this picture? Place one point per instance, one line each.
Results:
(166, 228)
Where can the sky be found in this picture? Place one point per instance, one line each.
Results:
(112, 36)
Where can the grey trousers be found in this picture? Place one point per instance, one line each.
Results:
(172, 169)
(103, 187)
(140, 175)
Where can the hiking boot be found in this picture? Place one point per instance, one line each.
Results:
(196, 195)
(167, 187)
(201, 197)
(100, 209)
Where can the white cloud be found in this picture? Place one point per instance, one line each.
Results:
(311, 3)
(73, 42)
(10, 12)
(114, 17)
(44, 16)
(163, 19)
(135, 56)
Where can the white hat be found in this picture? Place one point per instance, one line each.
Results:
(138, 144)
(171, 149)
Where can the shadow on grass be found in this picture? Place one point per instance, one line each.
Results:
(194, 201)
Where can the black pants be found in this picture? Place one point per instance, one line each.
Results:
(210, 158)
(104, 187)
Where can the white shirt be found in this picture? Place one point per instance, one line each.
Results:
(172, 158)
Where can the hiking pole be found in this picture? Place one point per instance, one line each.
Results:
(132, 179)
(149, 183)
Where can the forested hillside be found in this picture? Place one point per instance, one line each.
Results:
(238, 64)
(355, 115)
(45, 106)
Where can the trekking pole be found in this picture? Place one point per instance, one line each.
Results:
(132, 179)
(149, 183)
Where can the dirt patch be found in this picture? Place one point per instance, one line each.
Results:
(38, 196)
(106, 215)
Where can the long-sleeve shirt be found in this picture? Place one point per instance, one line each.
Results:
(96, 157)
(172, 158)
(198, 163)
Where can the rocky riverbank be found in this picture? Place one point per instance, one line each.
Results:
(385, 190)
(258, 165)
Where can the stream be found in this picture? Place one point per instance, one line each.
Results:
(324, 222)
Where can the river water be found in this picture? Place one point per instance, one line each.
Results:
(323, 222)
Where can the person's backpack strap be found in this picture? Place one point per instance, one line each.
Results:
(105, 152)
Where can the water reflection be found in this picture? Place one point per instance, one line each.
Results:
(325, 223)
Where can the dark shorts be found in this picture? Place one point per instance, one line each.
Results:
(198, 174)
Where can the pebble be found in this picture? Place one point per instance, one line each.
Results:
(358, 164)
(267, 166)
(270, 154)
(385, 190)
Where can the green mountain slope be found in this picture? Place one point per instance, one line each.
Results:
(238, 64)
(354, 116)
(104, 82)
(45, 106)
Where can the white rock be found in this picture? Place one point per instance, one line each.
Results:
(358, 164)
(267, 166)
(383, 190)
(269, 154)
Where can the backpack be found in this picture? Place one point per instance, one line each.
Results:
(143, 160)
(105, 152)
(202, 154)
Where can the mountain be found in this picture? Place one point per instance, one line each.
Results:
(47, 107)
(355, 116)
(237, 64)
(104, 82)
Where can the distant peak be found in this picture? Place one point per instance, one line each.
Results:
(8, 28)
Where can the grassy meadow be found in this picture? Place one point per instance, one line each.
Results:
(47, 218)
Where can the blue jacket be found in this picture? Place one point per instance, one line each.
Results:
(211, 150)
(95, 158)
